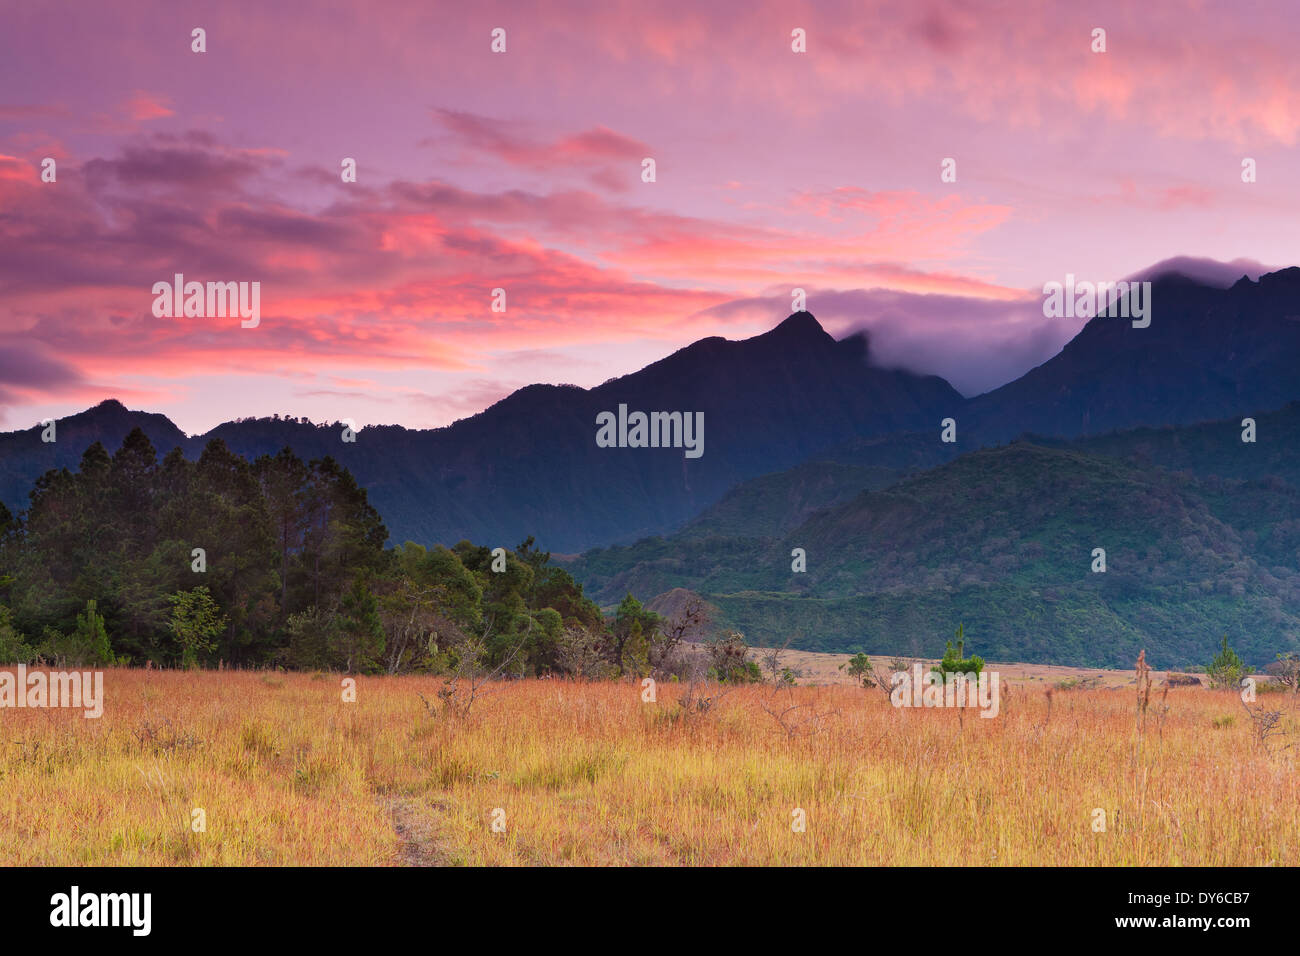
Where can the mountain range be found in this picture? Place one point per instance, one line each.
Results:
(1128, 439)
(529, 464)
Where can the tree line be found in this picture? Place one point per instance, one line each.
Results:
(135, 561)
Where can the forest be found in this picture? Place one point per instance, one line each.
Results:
(222, 562)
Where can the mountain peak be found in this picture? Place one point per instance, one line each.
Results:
(801, 322)
(800, 329)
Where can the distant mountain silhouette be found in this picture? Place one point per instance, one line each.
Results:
(530, 464)
(1209, 353)
(24, 457)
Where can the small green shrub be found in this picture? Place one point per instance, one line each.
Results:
(953, 660)
(1227, 669)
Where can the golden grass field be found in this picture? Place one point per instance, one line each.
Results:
(287, 773)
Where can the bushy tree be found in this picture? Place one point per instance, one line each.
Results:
(86, 645)
(428, 601)
(634, 629)
(311, 639)
(14, 649)
(859, 667)
(359, 636)
(195, 622)
(729, 660)
(635, 661)
(581, 653)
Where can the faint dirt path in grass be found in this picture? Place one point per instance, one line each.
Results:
(418, 843)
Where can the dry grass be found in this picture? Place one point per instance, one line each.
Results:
(586, 773)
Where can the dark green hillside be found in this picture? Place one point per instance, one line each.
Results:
(777, 503)
(1209, 448)
(1002, 539)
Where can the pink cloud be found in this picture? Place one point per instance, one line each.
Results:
(143, 106)
(599, 151)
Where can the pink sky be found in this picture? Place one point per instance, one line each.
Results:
(522, 171)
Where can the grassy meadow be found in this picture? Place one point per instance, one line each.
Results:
(287, 773)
